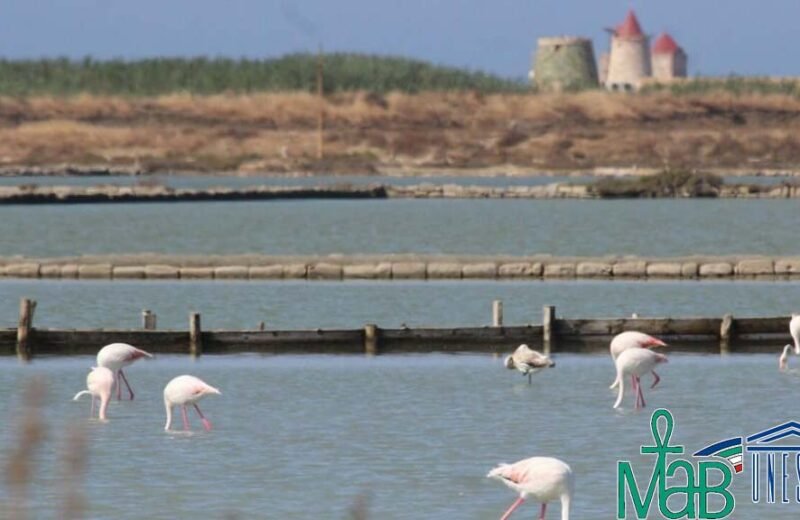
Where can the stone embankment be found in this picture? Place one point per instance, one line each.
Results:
(397, 267)
(34, 194)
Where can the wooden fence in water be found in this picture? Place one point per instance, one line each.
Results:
(723, 334)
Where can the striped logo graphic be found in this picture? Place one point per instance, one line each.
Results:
(730, 449)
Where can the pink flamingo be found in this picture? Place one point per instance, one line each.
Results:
(635, 362)
(99, 383)
(633, 339)
(543, 478)
(116, 356)
(183, 391)
(527, 361)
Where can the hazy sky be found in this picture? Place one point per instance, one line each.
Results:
(721, 36)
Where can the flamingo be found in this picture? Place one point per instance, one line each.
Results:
(116, 356)
(528, 361)
(794, 330)
(635, 362)
(183, 391)
(783, 361)
(543, 478)
(633, 339)
(99, 383)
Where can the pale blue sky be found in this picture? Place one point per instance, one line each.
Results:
(721, 36)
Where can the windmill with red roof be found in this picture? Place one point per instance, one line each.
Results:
(668, 59)
(629, 58)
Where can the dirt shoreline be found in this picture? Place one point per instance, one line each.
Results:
(444, 133)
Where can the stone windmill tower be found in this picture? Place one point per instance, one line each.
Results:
(629, 58)
(669, 59)
(564, 63)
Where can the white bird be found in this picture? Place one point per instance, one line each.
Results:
(543, 478)
(527, 361)
(633, 339)
(184, 391)
(635, 362)
(783, 361)
(794, 330)
(116, 356)
(99, 383)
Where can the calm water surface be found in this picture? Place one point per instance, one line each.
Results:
(302, 437)
(288, 305)
(561, 227)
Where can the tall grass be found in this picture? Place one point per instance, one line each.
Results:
(294, 72)
(736, 85)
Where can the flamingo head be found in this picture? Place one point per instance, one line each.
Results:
(661, 358)
(783, 362)
(653, 343)
(509, 362)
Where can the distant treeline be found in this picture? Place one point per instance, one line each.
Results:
(733, 84)
(295, 72)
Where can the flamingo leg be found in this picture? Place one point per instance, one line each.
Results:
(125, 379)
(511, 509)
(636, 391)
(206, 422)
(641, 395)
(91, 412)
(544, 510)
(185, 418)
(656, 380)
(117, 383)
(529, 378)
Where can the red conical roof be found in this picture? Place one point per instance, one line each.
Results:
(630, 27)
(665, 45)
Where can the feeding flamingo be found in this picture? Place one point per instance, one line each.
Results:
(543, 478)
(183, 391)
(116, 356)
(99, 383)
(633, 339)
(635, 362)
(528, 361)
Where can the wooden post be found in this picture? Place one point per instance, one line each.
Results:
(497, 313)
(26, 309)
(148, 320)
(370, 339)
(321, 116)
(725, 333)
(548, 324)
(195, 335)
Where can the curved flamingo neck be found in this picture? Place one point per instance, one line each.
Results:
(169, 414)
(565, 503)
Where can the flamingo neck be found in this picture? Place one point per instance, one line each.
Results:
(104, 399)
(796, 344)
(168, 406)
(621, 388)
(565, 503)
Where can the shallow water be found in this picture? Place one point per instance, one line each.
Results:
(515, 227)
(302, 437)
(351, 304)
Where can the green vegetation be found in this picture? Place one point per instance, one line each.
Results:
(733, 84)
(148, 77)
(668, 183)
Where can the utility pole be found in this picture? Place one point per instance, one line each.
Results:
(321, 117)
